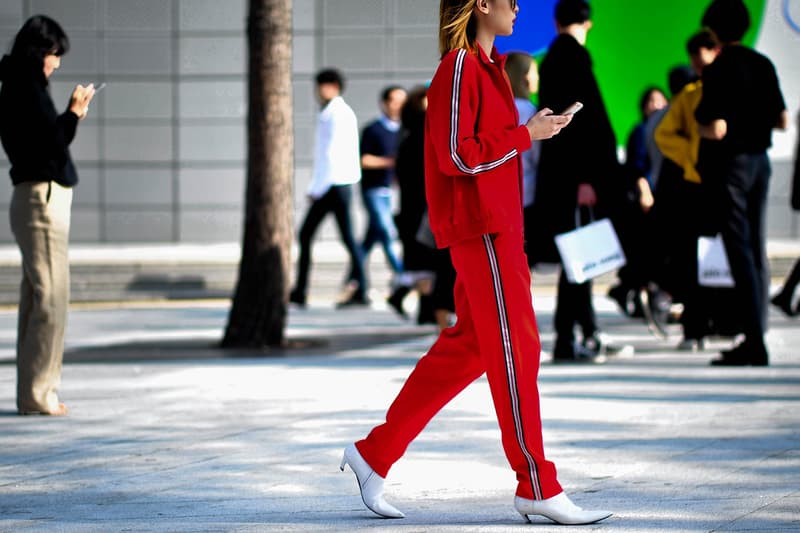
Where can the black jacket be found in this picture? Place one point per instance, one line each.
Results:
(585, 151)
(35, 136)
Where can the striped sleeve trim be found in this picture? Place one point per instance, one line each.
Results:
(455, 109)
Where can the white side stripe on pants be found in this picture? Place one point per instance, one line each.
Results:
(511, 374)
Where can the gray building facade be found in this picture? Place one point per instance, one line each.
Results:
(161, 156)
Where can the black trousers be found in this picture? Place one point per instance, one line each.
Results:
(337, 201)
(574, 303)
(445, 281)
(573, 306)
(681, 216)
(743, 198)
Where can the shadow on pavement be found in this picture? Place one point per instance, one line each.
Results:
(182, 350)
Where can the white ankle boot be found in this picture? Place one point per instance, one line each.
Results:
(370, 484)
(559, 509)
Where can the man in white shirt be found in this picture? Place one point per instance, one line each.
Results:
(337, 167)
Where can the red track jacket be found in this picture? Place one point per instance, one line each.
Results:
(473, 174)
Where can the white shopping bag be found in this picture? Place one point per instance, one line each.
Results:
(713, 269)
(590, 251)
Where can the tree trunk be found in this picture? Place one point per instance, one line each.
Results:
(259, 311)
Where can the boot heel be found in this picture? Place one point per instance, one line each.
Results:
(370, 484)
(526, 517)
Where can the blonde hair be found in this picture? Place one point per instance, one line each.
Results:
(457, 26)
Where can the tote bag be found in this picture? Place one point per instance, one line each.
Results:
(713, 269)
(590, 250)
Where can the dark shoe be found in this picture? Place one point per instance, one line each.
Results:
(746, 354)
(577, 354)
(426, 314)
(297, 298)
(655, 305)
(785, 304)
(626, 300)
(395, 300)
(356, 300)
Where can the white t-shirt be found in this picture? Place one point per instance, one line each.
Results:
(336, 150)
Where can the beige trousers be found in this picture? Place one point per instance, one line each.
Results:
(40, 217)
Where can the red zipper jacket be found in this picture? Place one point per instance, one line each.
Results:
(473, 172)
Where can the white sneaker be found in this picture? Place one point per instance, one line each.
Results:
(603, 344)
(370, 484)
(559, 509)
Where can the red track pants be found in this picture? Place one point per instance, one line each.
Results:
(495, 333)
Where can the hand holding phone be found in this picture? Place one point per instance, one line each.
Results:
(544, 124)
(80, 99)
(574, 108)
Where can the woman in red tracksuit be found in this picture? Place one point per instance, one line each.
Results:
(474, 190)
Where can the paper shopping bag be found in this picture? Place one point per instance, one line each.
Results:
(713, 269)
(589, 251)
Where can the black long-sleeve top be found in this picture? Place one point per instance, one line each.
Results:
(35, 136)
(586, 150)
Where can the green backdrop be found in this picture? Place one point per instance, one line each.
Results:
(634, 43)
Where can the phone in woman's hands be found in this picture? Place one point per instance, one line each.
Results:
(574, 108)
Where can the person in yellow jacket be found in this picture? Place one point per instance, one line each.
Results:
(677, 135)
(678, 138)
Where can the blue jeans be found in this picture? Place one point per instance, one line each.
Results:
(381, 228)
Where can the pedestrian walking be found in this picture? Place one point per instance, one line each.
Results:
(784, 299)
(379, 143)
(637, 279)
(579, 176)
(36, 139)
(733, 160)
(683, 202)
(418, 258)
(473, 186)
(336, 168)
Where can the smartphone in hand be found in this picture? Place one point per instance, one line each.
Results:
(574, 108)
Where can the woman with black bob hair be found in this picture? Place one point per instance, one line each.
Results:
(38, 37)
(36, 139)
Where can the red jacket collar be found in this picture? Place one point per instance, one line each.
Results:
(495, 58)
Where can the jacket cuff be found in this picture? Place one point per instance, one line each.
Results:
(522, 138)
(71, 118)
